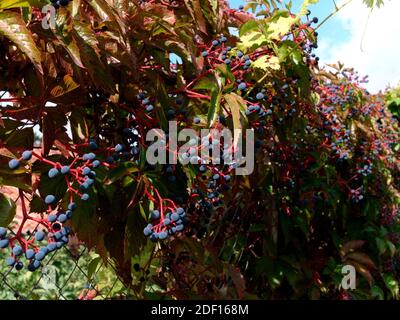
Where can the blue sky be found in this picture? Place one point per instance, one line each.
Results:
(331, 28)
(367, 41)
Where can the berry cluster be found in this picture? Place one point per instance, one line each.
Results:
(80, 177)
(165, 225)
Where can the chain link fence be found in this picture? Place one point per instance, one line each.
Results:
(67, 274)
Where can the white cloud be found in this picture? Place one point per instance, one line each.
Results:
(379, 57)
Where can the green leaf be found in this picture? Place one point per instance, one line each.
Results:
(56, 186)
(265, 63)
(7, 210)
(252, 39)
(93, 267)
(214, 108)
(372, 3)
(236, 104)
(63, 87)
(381, 245)
(206, 83)
(279, 28)
(377, 292)
(122, 170)
(85, 222)
(134, 238)
(89, 53)
(21, 138)
(304, 6)
(13, 27)
(8, 4)
(247, 27)
(17, 180)
(107, 13)
(37, 204)
(392, 284)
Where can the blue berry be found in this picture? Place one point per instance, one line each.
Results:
(72, 206)
(53, 173)
(13, 164)
(88, 156)
(179, 227)
(147, 231)
(36, 264)
(96, 164)
(196, 120)
(44, 249)
(50, 199)
(242, 86)
(51, 247)
(223, 39)
(86, 171)
(29, 254)
(216, 176)
(162, 235)
(93, 145)
(27, 155)
(84, 186)
(135, 151)
(39, 236)
(66, 231)
(155, 214)
(166, 222)
(10, 261)
(92, 175)
(58, 235)
(40, 255)
(19, 266)
(69, 214)
(149, 108)
(110, 160)
(204, 54)
(146, 101)
(119, 148)
(215, 43)
(260, 96)
(65, 170)
(31, 268)
(89, 182)
(17, 251)
(91, 156)
(240, 54)
(4, 243)
(59, 244)
(227, 61)
(175, 216)
(3, 232)
(85, 197)
(62, 218)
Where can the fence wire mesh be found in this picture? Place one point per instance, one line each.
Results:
(67, 274)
